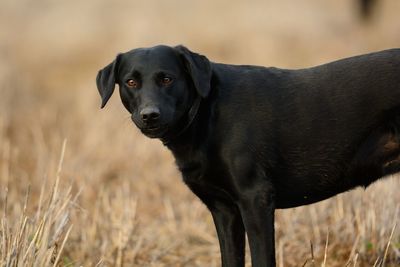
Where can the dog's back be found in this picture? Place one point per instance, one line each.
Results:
(313, 127)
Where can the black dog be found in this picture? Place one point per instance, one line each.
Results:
(249, 140)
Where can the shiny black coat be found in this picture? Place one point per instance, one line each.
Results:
(249, 140)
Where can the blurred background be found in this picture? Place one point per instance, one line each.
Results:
(115, 197)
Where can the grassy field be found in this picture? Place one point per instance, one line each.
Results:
(80, 186)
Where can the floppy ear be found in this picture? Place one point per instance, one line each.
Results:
(105, 81)
(199, 68)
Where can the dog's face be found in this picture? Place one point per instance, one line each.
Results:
(157, 85)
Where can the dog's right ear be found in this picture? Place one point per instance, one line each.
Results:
(105, 80)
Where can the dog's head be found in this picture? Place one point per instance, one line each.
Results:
(157, 85)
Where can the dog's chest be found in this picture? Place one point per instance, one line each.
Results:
(195, 170)
(205, 175)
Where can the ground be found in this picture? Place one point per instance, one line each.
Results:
(80, 186)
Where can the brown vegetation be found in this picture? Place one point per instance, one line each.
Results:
(113, 197)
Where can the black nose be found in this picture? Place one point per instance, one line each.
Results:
(150, 114)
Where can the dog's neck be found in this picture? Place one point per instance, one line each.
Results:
(187, 145)
(192, 132)
(184, 124)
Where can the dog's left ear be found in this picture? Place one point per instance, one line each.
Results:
(199, 68)
(105, 81)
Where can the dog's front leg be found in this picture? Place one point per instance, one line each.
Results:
(229, 225)
(257, 208)
(231, 235)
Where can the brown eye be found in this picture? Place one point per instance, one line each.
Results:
(132, 83)
(166, 80)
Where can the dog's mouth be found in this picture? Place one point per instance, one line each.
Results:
(151, 131)
(154, 131)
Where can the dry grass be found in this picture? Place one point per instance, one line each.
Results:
(118, 199)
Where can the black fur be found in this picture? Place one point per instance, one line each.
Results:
(249, 140)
